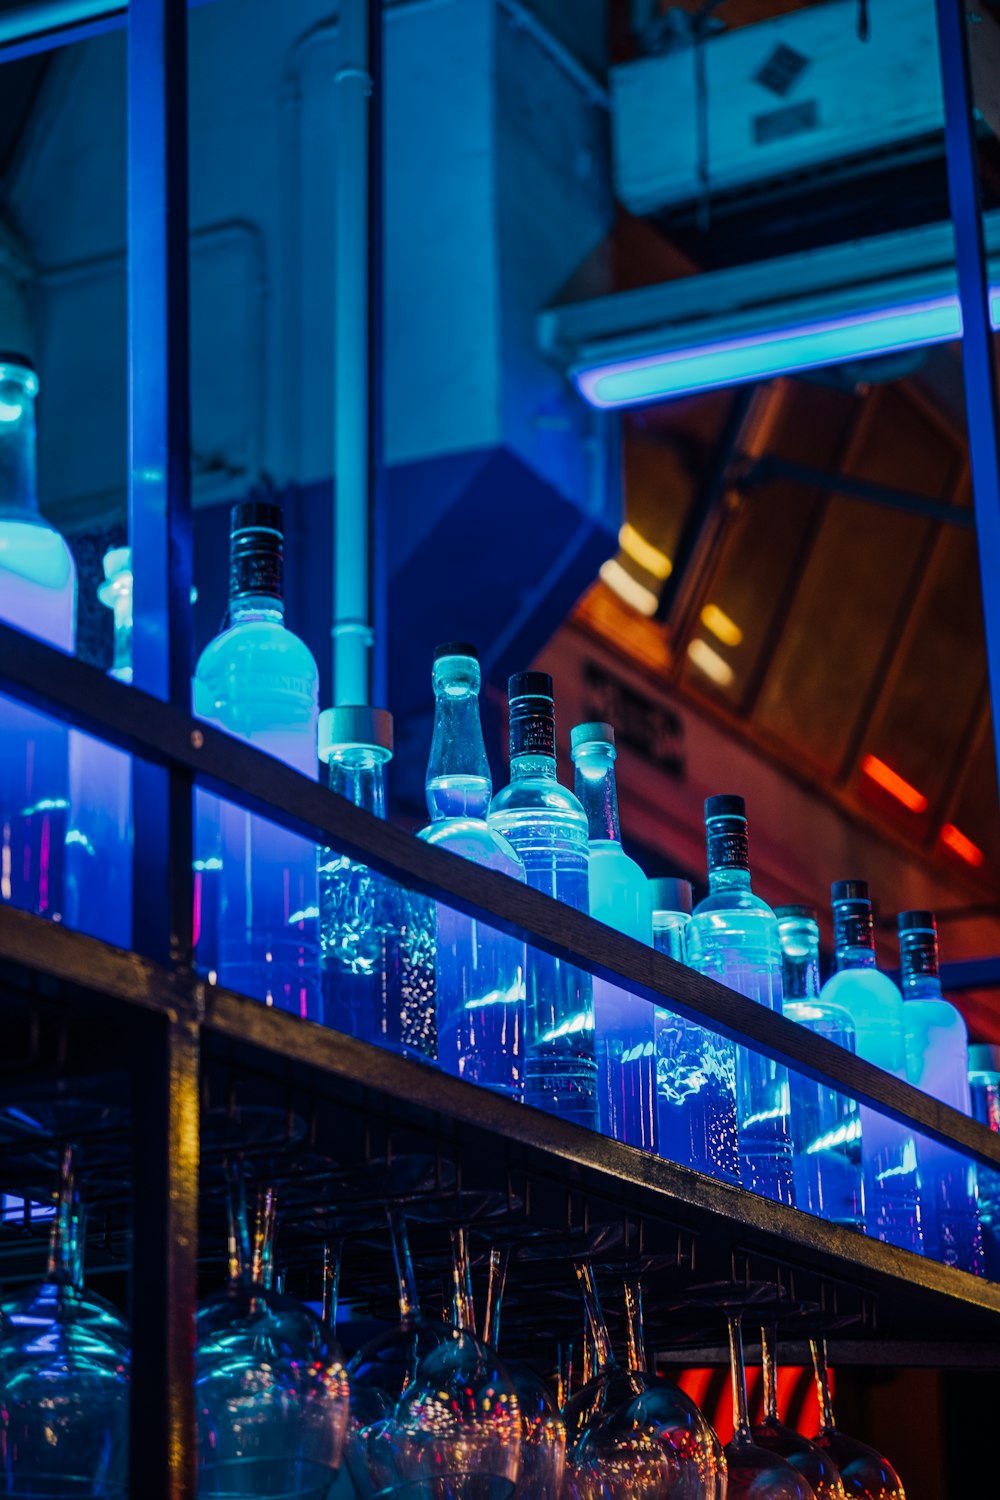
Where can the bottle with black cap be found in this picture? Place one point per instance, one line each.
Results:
(826, 1125)
(479, 972)
(38, 596)
(937, 1061)
(376, 937)
(624, 1024)
(695, 1068)
(875, 1006)
(259, 682)
(734, 937)
(548, 828)
(984, 1087)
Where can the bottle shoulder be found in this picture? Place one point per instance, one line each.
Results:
(473, 839)
(542, 797)
(938, 1014)
(841, 987)
(257, 645)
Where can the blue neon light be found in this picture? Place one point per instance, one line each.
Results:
(779, 351)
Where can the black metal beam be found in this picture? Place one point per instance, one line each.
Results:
(770, 467)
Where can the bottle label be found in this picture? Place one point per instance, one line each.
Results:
(919, 958)
(853, 926)
(255, 565)
(533, 730)
(728, 845)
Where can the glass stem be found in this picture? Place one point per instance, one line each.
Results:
(409, 1301)
(332, 1257)
(818, 1350)
(262, 1264)
(636, 1343)
(461, 1275)
(768, 1341)
(64, 1247)
(603, 1352)
(238, 1227)
(741, 1416)
(499, 1261)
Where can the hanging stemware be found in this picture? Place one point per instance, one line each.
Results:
(863, 1471)
(812, 1461)
(64, 1377)
(657, 1443)
(271, 1391)
(755, 1473)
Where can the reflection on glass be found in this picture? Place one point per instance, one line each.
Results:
(38, 595)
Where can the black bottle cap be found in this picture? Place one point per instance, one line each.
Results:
(529, 685)
(806, 913)
(725, 805)
(850, 890)
(12, 357)
(256, 515)
(668, 894)
(917, 921)
(455, 648)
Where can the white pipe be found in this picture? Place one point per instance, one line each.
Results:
(351, 630)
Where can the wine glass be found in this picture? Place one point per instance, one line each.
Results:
(755, 1473)
(64, 1378)
(863, 1471)
(813, 1462)
(543, 1431)
(654, 1442)
(271, 1391)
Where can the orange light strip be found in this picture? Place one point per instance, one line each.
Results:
(890, 781)
(957, 842)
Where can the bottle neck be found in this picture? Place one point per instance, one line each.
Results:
(733, 879)
(459, 783)
(256, 607)
(532, 738)
(728, 854)
(800, 978)
(594, 783)
(853, 935)
(355, 772)
(18, 472)
(919, 976)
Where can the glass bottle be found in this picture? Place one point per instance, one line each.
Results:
(38, 596)
(376, 938)
(257, 681)
(549, 830)
(875, 1006)
(826, 1125)
(99, 840)
(984, 1089)
(937, 1061)
(624, 1024)
(695, 1068)
(479, 972)
(734, 937)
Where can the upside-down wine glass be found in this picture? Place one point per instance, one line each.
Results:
(813, 1462)
(755, 1473)
(543, 1432)
(271, 1391)
(865, 1474)
(64, 1378)
(654, 1442)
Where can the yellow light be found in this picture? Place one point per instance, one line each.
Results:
(718, 622)
(957, 842)
(628, 588)
(635, 546)
(710, 662)
(891, 782)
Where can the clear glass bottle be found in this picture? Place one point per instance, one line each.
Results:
(734, 937)
(99, 840)
(257, 681)
(549, 830)
(695, 1068)
(826, 1125)
(937, 1061)
(984, 1090)
(875, 1006)
(624, 1024)
(376, 938)
(38, 596)
(479, 972)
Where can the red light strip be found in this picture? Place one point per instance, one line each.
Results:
(890, 781)
(954, 839)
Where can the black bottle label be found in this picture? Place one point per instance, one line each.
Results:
(728, 844)
(255, 565)
(919, 958)
(533, 728)
(853, 926)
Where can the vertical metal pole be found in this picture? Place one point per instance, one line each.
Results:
(165, 1120)
(159, 454)
(977, 332)
(164, 1245)
(378, 520)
